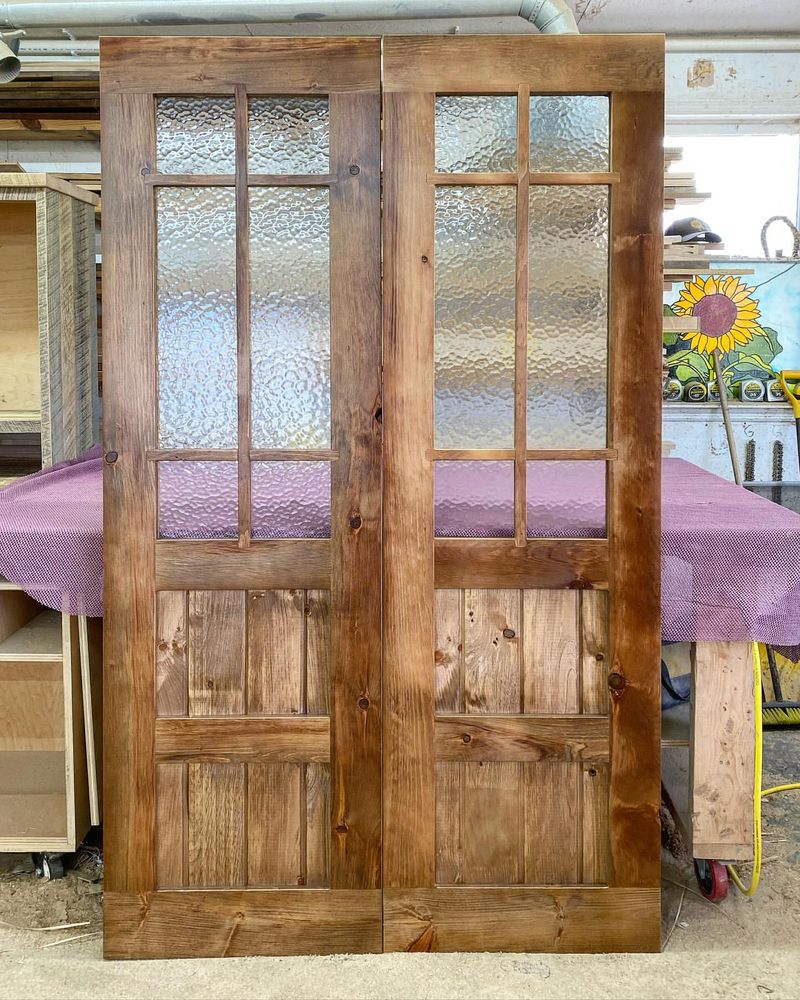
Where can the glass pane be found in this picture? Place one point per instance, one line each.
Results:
(288, 135)
(197, 500)
(474, 499)
(474, 339)
(568, 317)
(291, 500)
(197, 317)
(569, 133)
(195, 135)
(566, 499)
(476, 134)
(290, 317)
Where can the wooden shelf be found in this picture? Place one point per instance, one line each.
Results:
(33, 800)
(39, 640)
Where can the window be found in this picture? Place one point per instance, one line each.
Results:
(750, 178)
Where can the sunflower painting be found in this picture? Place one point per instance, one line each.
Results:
(729, 319)
(728, 316)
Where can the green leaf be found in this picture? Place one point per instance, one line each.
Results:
(763, 345)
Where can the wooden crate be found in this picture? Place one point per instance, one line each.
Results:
(48, 321)
(45, 758)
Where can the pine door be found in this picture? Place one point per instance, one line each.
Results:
(523, 187)
(241, 224)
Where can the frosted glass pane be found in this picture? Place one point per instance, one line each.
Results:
(474, 339)
(197, 500)
(476, 134)
(291, 499)
(474, 499)
(566, 499)
(569, 133)
(289, 135)
(568, 317)
(195, 135)
(197, 317)
(290, 317)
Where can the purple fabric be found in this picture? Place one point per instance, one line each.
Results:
(730, 559)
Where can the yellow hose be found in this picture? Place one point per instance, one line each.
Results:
(758, 793)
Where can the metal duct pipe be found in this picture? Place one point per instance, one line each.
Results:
(549, 16)
(9, 60)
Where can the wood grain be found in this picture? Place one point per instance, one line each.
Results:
(499, 563)
(550, 64)
(521, 737)
(216, 829)
(318, 825)
(355, 594)
(216, 652)
(217, 924)
(521, 919)
(594, 652)
(280, 563)
(634, 484)
(448, 654)
(273, 825)
(492, 823)
(721, 773)
(491, 651)
(408, 677)
(171, 825)
(449, 792)
(551, 651)
(286, 738)
(129, 514)
(552, 844)
(318, 652)
(275, 652)
(595, 820)
(171, 673)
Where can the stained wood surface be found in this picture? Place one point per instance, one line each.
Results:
(551, 651)
(521, 737)
(542, 562)
(217, 652)
(278, 564)
(275, 652)
(521, 919)
(553, 64)
(723, 740)
(129, 511)
(273, 803)
(216, 827)
(171, 825)
(214, 924)
(594, 651)
(491, 651)
(292, 738)
(172, 684)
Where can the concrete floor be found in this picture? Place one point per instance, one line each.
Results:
(742, 948)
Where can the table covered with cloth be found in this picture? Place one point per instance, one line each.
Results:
(730, 560)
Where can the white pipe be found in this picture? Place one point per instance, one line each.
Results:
(549, 16)
(59, 47)
(734, 43)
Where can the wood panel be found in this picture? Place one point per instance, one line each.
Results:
(275, 652)
(491, 651)
(594, 652)
(216, 825)
(542, 562)
(317, 825)
(552, 808)
(551, 651)
(521, 919)
(216, 652)
(289, 738)
(634, 482)
(318, 651)
(214, 924)
(595, 818)
(273, 810)
(19, 318)
(171, 824)
(521, 737)
(448, 656)
(172, 684)
(492, 818)
(284, 563)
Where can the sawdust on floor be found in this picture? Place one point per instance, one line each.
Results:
(743, 948)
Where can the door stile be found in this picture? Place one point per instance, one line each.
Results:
(634, 481)
(129, 499)
(243, 351)
(521, 320)
(356, 483)
(408, 682)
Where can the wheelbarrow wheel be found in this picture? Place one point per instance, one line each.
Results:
(712, 879)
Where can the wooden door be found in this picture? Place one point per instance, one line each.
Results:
(241, 225)
(523, 192)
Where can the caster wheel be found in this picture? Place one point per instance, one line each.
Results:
(712, 878)
(49, 866)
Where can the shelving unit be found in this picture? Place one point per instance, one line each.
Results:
(49, 725)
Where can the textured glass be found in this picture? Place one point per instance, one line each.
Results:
(195, 135)
(288, 135)
(566, 499)
(291, 499)
(476, 134)
(197, 317)
(568, 317)
(569, 133)
(474, 338)
(290, 317)
(474, 499)
(197, 500)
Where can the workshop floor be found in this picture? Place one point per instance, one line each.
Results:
(743, 948)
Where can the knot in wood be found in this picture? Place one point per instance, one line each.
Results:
(355, 521)
(111, 457)
(616, 681)
(509, 633)
(363, 704)
(466, 738)
(355, 169)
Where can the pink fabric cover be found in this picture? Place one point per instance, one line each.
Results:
(730, 559)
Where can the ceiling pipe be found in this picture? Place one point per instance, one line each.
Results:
(10, 64)
(549, 16)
